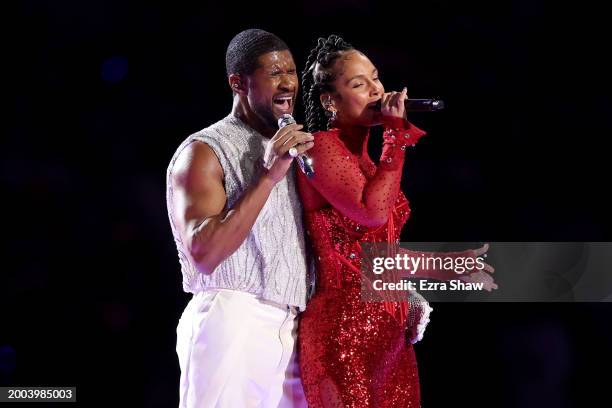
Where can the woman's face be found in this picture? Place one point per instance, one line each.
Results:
(357, 89)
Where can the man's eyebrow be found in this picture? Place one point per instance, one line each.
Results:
(277, 67)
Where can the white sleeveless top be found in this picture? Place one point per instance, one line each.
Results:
(271, 262)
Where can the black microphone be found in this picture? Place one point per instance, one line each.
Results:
(420, 105)
(304, 161)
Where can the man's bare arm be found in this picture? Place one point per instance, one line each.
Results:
(211, 232)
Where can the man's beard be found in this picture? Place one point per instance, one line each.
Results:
(266, 116)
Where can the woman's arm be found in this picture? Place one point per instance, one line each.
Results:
(479, 272)
(341, 182)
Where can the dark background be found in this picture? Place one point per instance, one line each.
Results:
(100, 94)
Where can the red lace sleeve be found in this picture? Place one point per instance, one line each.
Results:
(339, 179)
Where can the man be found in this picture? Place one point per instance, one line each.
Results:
(237, 224)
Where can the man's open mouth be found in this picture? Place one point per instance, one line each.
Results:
(283, 102)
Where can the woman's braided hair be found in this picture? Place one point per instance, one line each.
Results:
(325, 54)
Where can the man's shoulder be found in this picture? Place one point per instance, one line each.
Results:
(211, 135)
(219, 128)
(205, 135)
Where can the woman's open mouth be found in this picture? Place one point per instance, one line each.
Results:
(375, 105)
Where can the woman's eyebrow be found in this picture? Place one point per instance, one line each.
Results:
(360, 75)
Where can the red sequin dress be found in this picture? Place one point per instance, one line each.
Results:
(352, 353)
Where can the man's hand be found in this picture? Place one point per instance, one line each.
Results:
(276, 157)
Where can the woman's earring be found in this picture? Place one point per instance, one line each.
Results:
(331, 113)
(331, 117)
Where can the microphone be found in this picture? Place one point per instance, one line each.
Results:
(304, 161)
(420, 105)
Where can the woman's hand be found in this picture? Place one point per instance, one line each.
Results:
(482, 275)
(486, 279)
(418, 318)
(475, 275)
(392, 104)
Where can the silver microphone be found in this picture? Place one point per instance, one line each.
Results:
(304, 161)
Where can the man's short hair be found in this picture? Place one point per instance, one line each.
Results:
(247, 46)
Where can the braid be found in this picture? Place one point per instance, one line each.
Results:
(314, 83)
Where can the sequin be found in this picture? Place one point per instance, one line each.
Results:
(353, 353)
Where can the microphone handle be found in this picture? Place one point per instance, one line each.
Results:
(421, 105)
(305, 163)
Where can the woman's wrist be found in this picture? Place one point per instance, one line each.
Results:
(395, 122)
(401, 132)
(393, 152)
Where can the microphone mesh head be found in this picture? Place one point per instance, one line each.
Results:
(284, 120)
(437, 104)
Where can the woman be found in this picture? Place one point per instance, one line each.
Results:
(354, 353)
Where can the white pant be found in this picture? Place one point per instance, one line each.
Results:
(237, 351)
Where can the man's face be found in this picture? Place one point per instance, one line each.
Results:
(273, 87)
